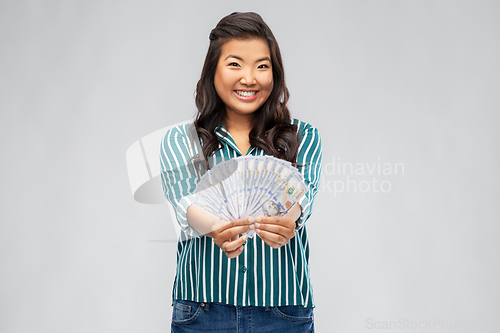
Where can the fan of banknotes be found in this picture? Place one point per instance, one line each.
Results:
(249, 186)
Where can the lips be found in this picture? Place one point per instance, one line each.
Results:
(246, 95)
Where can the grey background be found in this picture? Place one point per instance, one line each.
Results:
(411, 82)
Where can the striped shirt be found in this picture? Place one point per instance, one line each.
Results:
(260, 275)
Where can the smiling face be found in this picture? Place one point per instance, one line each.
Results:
(244, 77)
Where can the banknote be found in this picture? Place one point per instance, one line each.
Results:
(249, 186)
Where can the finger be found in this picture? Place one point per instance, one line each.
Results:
(235, 253)
(223, 225)
(233, 232)
(284, 221)
(286, 232)
(272, 237)
(231, 246)
(244, 220)
(271, 244)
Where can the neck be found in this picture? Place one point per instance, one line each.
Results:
(238, 123)
(239, 126)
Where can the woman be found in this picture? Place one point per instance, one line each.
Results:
(226, 282)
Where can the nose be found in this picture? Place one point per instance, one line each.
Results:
(248, 78)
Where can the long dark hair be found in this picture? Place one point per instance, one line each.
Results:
(271, 128)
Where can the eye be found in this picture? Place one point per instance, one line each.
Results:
(234, 64)
(263, 66)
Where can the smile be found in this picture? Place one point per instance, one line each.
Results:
(246, 93)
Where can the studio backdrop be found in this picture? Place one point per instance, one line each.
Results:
(405, 230)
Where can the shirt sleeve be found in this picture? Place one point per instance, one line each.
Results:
(178, 177)
(309, 162)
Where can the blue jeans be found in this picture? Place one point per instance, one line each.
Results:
(190, 316)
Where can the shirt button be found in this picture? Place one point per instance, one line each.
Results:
(244, 269)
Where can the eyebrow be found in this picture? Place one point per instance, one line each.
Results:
(236, 57)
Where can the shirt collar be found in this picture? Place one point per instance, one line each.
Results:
(226, 137)
(221, 130)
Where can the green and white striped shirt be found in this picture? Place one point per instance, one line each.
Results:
(260, 275)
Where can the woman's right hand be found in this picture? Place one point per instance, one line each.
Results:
(225, 235)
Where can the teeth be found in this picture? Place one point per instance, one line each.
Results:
(246, 93)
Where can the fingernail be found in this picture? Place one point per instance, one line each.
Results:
(245, 237)
(257, 225)
(252, 226)
(257, 231)
(259, 219)
(251, 219)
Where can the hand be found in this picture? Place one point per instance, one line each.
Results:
(275, 231)
(226, 235)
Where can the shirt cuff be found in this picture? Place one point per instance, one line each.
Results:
(181, 213)
(305, 205)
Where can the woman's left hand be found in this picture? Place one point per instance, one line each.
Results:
(275, 231)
